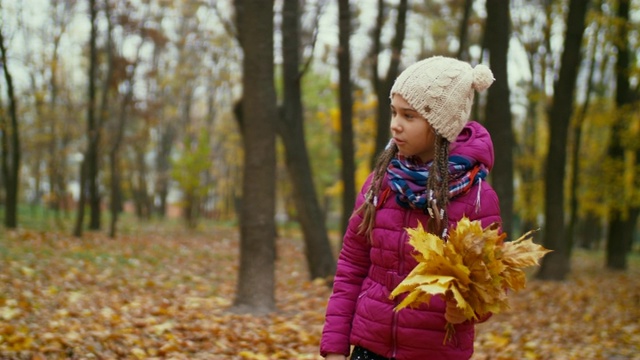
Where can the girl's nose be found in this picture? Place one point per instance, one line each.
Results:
(394, 126)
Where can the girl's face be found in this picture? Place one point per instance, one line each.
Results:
(411, 132)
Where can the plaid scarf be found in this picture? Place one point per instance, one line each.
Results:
(408, 178)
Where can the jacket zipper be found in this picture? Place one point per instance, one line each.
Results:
(403, 238)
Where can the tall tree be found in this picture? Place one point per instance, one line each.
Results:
(382, 86)
(622, 219)
(291, 129)
(498, 110)
(10, 144)
(117, 128)
(89, 166)
(256, 281)
(346, 113)
(534, 33)
(167, 135)
(463, 34)
(166, 139)
(103, 115)
(555, 265)
(577, 128)
(189, 77)
(61, 15)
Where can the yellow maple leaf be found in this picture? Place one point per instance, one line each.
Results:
(472, 269)
(424, 242)
(522, 252)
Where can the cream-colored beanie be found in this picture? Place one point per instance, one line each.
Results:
(441, 89)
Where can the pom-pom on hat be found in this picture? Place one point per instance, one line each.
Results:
(441, 89)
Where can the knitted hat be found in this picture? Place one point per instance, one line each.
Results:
(441, 89)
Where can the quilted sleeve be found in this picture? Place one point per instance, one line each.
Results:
(352, 267)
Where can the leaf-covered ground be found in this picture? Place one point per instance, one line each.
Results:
(165, 295)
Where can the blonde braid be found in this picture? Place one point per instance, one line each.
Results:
(438, 185)
(368, 208)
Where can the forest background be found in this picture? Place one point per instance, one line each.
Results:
(266, 116)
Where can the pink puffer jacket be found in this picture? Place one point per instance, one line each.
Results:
(360, 311)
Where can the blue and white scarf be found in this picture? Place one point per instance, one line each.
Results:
(408, 178)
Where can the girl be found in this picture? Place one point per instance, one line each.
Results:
(432, 172)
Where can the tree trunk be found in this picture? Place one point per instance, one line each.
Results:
(64, 172)
(189, 200)
(619, 238)
(54, 157)
(463, 50)
(116, 196)
(556, 265)
(56, 160)
(163, 164)
(143, 201)
(346, 114)
(318, 251)
(528, 171)
(95, 131)
(620, 224)
(93, 160)
(256, 280)
(82, 200)
(577, 130)
(529, 166)
(591, 232)
(114, 153)
(376, 82)
(4, 159)
(498, 110)
(383, 86)
(89, 168)
(10, 142)
(38, 154)
(164, 144)
(116, 199)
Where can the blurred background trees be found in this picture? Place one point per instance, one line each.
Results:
(149, 121)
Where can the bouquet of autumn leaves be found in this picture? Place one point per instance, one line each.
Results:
(474, 269)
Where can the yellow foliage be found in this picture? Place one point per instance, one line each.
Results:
(252, 355)
(334, 113)
(335, 189)
(473, 269)
(362, 172)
